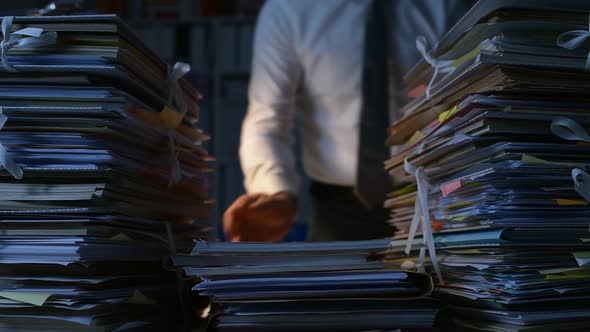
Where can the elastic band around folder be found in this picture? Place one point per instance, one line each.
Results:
(8, 163)
(422, 213)
(571, 40)
(440, 66)
(581, 183)
(569, 129)
(24, 38)
(3, 118)
(173, 120)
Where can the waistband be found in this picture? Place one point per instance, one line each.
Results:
(321, 189)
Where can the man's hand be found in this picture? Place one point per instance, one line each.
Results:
(260, 217)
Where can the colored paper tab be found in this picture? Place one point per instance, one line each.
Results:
(122, 237)
(444, 116)
(418, 91)
(573, 274)
(449, 187)
(417, 137)
(527, 158)
(570, 202)
(170, 118)
(464, 251)
(139, 298)
(405, 190)
(582, 258)
(458, 205)
(33, 298)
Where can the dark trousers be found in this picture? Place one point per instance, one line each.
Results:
(338, 215)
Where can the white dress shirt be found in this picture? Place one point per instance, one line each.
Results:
(307, 70)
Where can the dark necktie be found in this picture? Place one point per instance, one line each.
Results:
(372, 181)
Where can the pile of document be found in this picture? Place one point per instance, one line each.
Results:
(321, 286)
(102, 177)
(492, 167)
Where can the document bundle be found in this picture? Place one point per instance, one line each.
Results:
(493, 188)
(102, 177)
(321, 286)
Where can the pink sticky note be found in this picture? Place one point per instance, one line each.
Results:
(449, 187)
(417, 91)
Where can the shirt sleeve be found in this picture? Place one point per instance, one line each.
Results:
(267, 138)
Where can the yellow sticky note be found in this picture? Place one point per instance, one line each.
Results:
(417, 137)
(464, 251)
(458, 205)
(170, 118)
(405, 190)
(582, 258)
(139, 298)
(472, 184)
(574, 274)
(559, 270)
(467, 56)
(121, 237)
(582, 254)
(444, 116)
(33, 298)
(534, 160)
(570, 202)
(460, 218)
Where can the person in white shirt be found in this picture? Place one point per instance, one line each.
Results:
(308, 71)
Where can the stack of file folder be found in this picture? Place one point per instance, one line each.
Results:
(492, 153)
(102, 177)
(321, 286)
